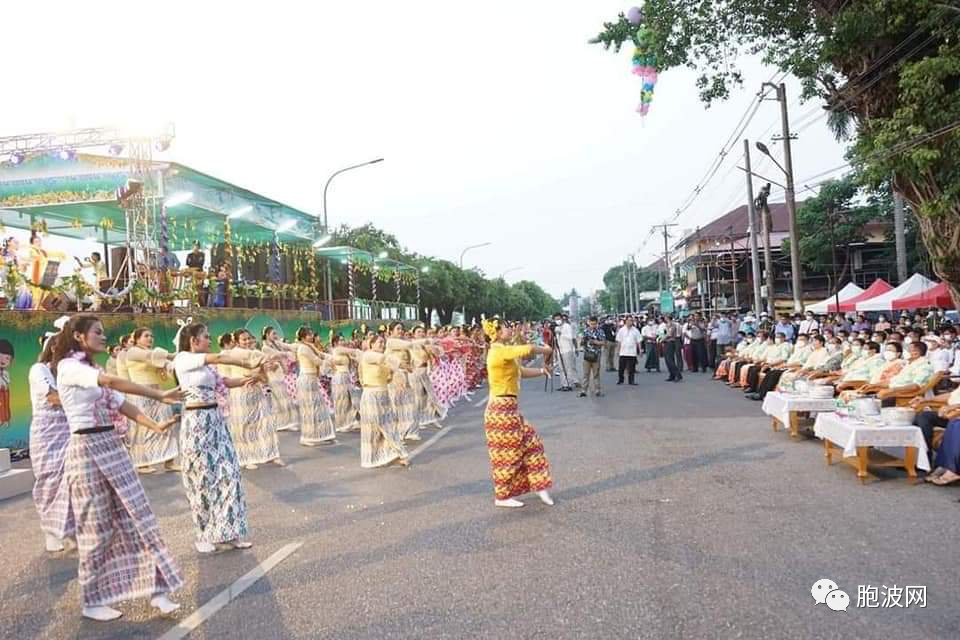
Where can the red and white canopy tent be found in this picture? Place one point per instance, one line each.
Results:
(878, 288)
(849, 291)
(914, 285)
(938, 296)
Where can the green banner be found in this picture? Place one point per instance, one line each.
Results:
(24, 329)
(666, 302)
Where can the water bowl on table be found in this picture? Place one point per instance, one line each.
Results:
(897, 416)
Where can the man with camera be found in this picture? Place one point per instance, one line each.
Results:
(594, 341)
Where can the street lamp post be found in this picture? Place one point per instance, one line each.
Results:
(463, 253)
(326, 227)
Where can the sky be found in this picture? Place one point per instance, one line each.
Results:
(497, 121)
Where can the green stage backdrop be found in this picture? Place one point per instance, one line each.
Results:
(23, 330)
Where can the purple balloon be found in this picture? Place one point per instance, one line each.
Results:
(635, 16)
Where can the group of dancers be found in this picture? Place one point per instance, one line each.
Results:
(93, 429)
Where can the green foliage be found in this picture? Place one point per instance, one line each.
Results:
(611, 297)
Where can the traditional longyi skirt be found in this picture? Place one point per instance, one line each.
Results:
(345, 411)
(316, 424)
(149, 447)
(379, 445)
(517, 460)
(404, 400)
(211, 477)
(427, 406)
(49, 437)
(121, 553)
(254, 433)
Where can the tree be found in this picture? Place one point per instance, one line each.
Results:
(887, 71)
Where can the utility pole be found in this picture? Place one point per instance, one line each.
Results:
(636, 286)
(752, 212)
(764, 208)
(703, 305)
(733, 268)
(899, 227)
(623, 272)
(797, 285)
(666, 251)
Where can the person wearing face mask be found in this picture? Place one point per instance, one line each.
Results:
(796, 359)
(851, 352)
(940, 358)
(744, 357)
(731, 353)
(808, 324)
(861, 324)
(818, 356)
(750, 370)
(776, 354)
(912, 378)
(863, 369)
(722, 334)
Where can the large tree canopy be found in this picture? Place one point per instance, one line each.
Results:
(889, 68)
(444, 286)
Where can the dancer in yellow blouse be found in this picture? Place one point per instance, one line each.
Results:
(517, 459)
(146, 365)
(316, 424)
(379, 444)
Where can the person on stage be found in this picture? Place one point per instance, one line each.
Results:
(253, 431)
(146, 365)
(316, 423)
(282, 407)
(517, 460)
(379, 444)
(122, 555)
(49, 435)
(211, 471)
(35, 264)
(429, 410)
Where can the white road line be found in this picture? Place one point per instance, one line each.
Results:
(482, 402)
(430, 442)
(222, 599)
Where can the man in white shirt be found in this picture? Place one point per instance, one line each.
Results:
(628, 343)
(567, 341)
(808, 324)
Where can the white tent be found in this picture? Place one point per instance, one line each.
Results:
(913, 285)
(849, 291)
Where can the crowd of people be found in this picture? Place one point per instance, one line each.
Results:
(212, 415)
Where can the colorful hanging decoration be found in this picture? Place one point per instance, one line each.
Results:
(645, 66)
(106, 224)
(373, 282)
(351, 287)
(396, 279)
(227, 245)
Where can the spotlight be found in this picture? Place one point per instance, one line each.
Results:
(322, 241)
(236, 213)
(115, 149)
(286, 225)
(17, 158)
(178, 198)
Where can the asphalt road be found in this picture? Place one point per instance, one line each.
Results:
(679, 514)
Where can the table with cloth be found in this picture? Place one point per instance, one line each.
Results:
(785, 409)
(854, 437)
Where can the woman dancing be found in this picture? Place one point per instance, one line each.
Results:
(282, 405)
(251, 428)
(401, 389)
(146, 365)
(315, 422)
(122, 555)
(49, 435)
(379, 444)
(346, 400)
(517, 460)
(211, 473)
(428, 409)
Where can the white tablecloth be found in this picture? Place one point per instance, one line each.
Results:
(849, 432)
(778, 404)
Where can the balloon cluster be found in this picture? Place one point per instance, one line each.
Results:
(644, 60)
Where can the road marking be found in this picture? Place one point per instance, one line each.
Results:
(225, 597)
(430, 442)
(482, 402)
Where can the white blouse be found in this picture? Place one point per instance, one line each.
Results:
(84, 402)
(41, 382)
(197, 379)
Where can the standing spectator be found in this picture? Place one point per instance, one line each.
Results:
(698, 347)
(809, 324)
(784, 328)
(671, 348)
(196, 257)
(723, 335)
(861, 324)
(594, 340)
(652, 357)
(610, 335)
(628, 341)
(567, 340)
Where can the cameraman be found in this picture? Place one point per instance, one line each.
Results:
(594, 341)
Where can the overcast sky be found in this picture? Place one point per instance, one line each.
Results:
(498, 122)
